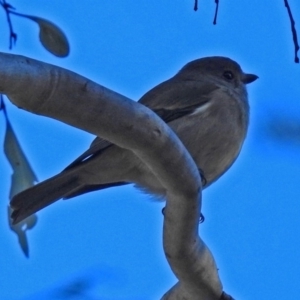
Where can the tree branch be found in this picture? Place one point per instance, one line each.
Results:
(294, 32)
(63, 95)
(216, 12)
(196, 5)
(12, 35)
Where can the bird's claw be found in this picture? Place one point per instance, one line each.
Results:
(201, 219)
(203, 179)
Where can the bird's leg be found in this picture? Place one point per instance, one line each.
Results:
(203, 180)
(201, 219)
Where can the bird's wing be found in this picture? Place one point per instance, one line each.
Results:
(96, 147)
(170, 100)
(176, 98)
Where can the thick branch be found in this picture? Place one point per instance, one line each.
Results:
(63, 95)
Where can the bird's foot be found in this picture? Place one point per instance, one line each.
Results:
(203, 179)
(201, 219)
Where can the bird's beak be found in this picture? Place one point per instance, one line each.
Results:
(248, 78)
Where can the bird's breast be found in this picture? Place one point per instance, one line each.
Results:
(214, 134)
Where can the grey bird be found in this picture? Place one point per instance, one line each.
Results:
(206, 105)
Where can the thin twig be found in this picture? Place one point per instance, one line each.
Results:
(12, 35)
(196, 5)
(216, 12)
(294, 32)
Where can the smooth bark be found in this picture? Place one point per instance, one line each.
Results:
(68, 97)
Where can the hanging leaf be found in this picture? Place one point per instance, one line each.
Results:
(22, 178)
(21, 228)
(51, 36)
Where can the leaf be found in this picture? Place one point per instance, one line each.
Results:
(21, 228)
(51, 36)
(22, 178)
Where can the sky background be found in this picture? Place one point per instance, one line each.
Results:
(108, 244)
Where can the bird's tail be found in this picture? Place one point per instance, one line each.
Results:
(43, 194)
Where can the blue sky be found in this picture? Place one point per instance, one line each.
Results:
(110, 242)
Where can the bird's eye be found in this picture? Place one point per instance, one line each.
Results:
(228, 75)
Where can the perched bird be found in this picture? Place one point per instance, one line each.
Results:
(205, 104)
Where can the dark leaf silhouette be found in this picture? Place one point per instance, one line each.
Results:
(51, 36)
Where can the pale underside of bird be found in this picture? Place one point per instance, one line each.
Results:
(205, 104)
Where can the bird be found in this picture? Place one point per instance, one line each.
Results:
(205, 104)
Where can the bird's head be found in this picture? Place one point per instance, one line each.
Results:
(218, 68)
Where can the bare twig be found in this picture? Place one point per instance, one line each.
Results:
(196, 5)
(216, 12)
(294, 32)
(12, 35)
